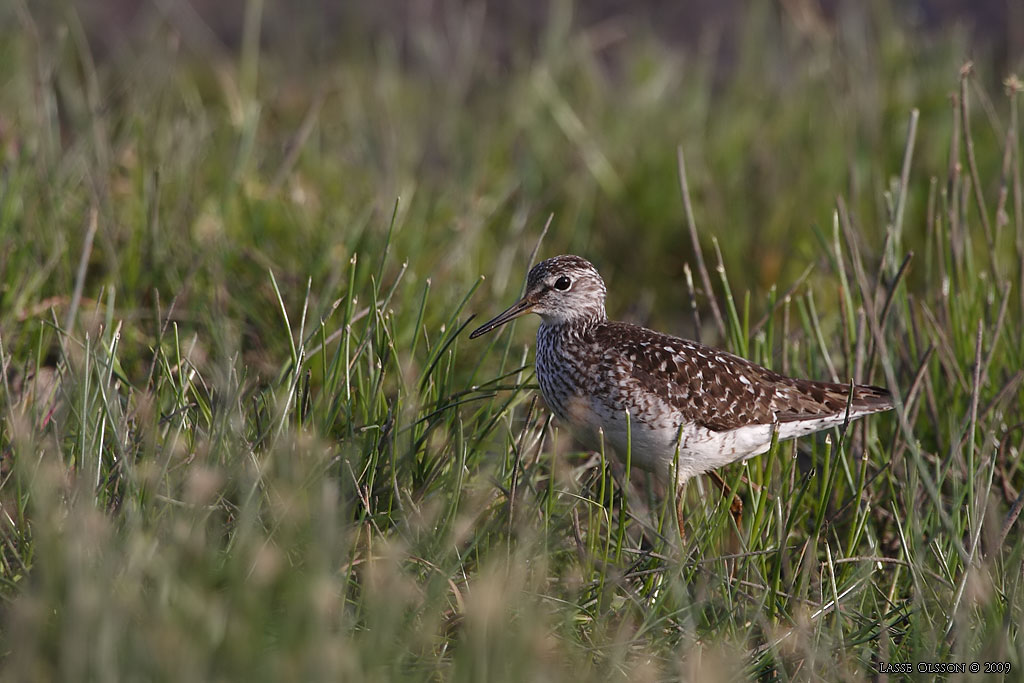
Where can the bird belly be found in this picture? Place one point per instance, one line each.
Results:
(702, 449)
(652, 443)
(598, 425)
(648, 447)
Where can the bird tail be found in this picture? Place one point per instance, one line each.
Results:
(815, 399)
(870, 399)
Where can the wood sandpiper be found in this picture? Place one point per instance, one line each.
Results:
(691, 408)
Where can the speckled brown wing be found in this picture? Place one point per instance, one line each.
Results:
(811, 399)
(721, 391)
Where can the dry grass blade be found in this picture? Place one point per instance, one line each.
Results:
(691, 223)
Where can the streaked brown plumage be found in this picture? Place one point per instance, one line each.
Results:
(710, 406)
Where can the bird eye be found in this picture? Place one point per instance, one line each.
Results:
(563, 283)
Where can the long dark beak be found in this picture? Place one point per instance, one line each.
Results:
(521, 307)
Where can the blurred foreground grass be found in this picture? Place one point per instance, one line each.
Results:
(243, 434)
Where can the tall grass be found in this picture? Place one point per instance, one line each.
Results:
(244, 434)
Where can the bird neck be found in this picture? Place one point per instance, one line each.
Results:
(576, 327)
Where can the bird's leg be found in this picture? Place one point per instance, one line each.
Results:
(680, 497)
(736, 506)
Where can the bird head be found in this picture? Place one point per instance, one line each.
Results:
(561, 290)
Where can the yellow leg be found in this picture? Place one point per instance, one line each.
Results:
(680, 497)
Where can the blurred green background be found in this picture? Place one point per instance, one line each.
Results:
(484, 120)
